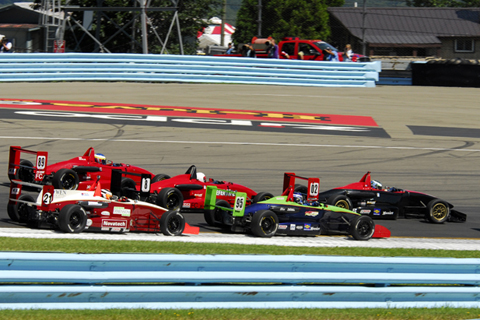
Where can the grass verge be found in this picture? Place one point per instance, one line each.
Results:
(109, 246)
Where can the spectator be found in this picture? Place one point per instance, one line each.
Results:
(330, 54)
(272, 49)
(230, 48)
(248, 51)
(6, 46)
(347, 55)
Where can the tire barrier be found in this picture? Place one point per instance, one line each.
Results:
(166, 281)
(190, 69)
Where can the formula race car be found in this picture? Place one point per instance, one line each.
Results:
(73, 211)
(370, 198)
(77, 173)
(187, 191)
(292, 213)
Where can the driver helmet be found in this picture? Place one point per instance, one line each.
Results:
(100, 158)
(201, 177)
(376, 185)
(298, 197)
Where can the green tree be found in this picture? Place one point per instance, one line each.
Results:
(306, 19)
(192, 15)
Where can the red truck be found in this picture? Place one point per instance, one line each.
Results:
(301, 49)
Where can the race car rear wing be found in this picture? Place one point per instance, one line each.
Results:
(16, 187)
(116, 183)
(313, 188)
(14, 163)
(238, 209)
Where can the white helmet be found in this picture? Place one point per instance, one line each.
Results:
(376, 185)
(201, 177)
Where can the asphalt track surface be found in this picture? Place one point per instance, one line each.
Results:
(429, 139)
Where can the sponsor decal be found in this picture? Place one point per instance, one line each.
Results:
(224, 193)
(39, 175)
(292, 227)
(105, 213)
(122, 211)
(186, 205)
(12, 171)
(279, 198)
(15, 191)
(198, 195)
(114, 223)
(311, 213)
(365, 211)
(307, 227)
(85, 194)
(387, 213)
(89, 222)
(371, 202)
(135, 110)
(58, 193)
(299, 227)
(315, 229)
(377, 212)
(282, 226)
(361, 203)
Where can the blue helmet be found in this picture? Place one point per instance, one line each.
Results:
(298, 197)
(376, 185)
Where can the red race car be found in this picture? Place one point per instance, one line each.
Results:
(77, 173)
(73, 211)
(187, 191)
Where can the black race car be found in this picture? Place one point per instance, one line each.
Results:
(369, 197)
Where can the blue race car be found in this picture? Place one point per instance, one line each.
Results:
(292, 213)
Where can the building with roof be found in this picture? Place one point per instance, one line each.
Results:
(441, 32)
(20, 24)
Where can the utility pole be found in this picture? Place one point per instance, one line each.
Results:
(224, 17)
(259, 21)
(143, 20)
(364, 13)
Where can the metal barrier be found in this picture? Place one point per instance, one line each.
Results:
(177, 68)
(164, 281)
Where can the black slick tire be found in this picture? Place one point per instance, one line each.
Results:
(72, 219)
(340, 201)
(438, 211)
(20, 212)
(170, 198)
(65, 179)
(362, 228)
(262, 196)
(264, 224)
(160, 177)
(172, 223)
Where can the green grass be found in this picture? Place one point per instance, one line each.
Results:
(107, 246)
(247, 314)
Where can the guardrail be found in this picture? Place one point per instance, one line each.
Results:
(164, 281)
(176, 68)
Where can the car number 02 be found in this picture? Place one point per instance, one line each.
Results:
(314, 189)
(239, 203)
(146, 185)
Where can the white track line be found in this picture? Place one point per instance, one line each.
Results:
(242, 143)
